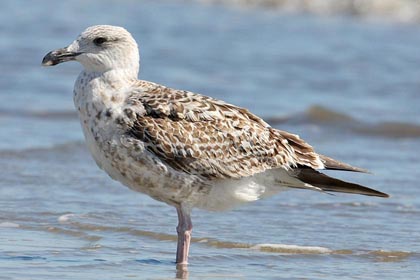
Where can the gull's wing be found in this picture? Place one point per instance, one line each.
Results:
(207, 137)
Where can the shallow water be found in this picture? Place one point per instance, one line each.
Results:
(348, 87)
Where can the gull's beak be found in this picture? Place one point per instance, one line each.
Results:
(59, 56)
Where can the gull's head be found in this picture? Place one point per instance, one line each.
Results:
(100, 48)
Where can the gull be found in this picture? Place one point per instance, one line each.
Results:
(181, 148)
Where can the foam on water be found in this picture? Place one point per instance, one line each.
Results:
(9, 225)
(65, 218)
(390, 256)
(291, 249)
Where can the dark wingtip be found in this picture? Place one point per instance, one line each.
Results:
(330, 184)
(384, 195)
(333, 164)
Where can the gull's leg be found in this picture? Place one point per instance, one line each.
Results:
(184, 230)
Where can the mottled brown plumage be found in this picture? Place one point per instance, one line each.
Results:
(203, 136)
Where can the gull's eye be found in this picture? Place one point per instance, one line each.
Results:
(99, 41)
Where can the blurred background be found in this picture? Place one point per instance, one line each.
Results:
(344, 75)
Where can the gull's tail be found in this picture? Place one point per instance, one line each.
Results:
(329, 184)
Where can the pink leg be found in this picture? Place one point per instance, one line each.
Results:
(184, 230)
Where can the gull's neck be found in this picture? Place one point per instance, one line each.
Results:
(104, 88)
(111, 79)
(118, 75)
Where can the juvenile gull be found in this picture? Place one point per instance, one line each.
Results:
(182, 148)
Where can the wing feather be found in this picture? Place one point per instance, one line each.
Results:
(210, 138)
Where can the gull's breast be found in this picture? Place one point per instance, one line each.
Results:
(126, 160)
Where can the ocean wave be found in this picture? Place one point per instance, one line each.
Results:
(389, 256)
(396, 10)
(82, 225)
(50, 115)
(79, 224)
(328, 118)
(68, 147)
(87, 226)
(391, 129)
(9, 225)
(291, 249)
